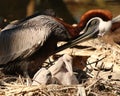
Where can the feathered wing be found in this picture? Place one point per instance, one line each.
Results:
(23, 39)
(48, 12)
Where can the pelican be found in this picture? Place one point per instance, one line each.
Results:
(26, 45)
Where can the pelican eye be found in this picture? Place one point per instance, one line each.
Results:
(94, 22)
(93, 25)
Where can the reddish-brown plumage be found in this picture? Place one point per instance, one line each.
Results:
(103, 14)
(74, 31)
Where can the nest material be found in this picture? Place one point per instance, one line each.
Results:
(93, 87)
(99, 81)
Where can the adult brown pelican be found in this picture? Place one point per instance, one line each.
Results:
(26, 45)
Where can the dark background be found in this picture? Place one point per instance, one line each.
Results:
(69, 10)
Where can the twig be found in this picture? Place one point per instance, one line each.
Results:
(92, 84)
(94, 93)
(81, 91)
(96, 61)
(99, 70)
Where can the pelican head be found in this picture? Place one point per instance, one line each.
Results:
(93, 24)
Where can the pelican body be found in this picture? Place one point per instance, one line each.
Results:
(26, 45)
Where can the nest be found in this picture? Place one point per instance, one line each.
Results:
(93, 87)
(98, 74)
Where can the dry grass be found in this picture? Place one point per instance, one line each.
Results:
(92, 87)
(99, 82)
